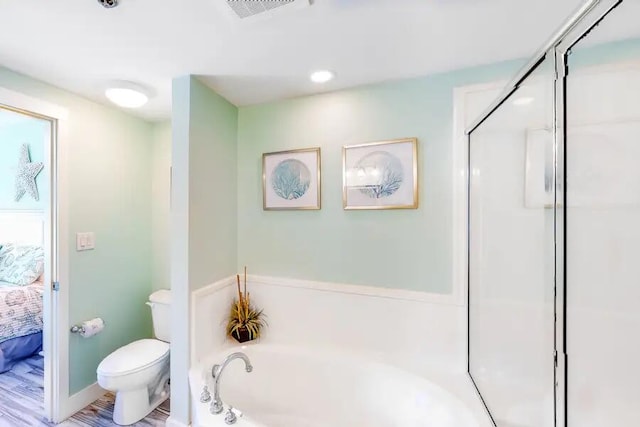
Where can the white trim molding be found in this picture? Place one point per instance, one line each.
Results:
(462, 116)
(172, 422)
(24, 102)
(212, 288)
(57, 401)
(83, 398)
(371, 291)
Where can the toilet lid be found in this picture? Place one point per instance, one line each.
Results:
(133, 357)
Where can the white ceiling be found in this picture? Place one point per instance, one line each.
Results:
(80, 46)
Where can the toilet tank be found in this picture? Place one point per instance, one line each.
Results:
(160, 303)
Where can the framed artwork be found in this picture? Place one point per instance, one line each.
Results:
(291, 180)
(380, 175)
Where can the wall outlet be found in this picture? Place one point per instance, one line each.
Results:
(85, 241)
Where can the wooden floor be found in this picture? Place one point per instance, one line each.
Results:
(21, 402)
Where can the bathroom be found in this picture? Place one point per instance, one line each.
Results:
(371, 316)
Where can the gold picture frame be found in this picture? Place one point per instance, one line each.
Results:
(375, 175)
(292, 180)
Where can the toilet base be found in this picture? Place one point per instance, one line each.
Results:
(133, 405)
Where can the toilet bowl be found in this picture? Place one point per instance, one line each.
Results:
(138, 373)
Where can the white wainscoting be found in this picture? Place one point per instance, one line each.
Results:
(418, 331)
(209, 309)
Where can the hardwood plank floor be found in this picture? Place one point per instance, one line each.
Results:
(22, 397)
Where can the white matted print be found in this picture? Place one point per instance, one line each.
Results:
(381, 175)
(291, 180)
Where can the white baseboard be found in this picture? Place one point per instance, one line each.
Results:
(172, 422)
(81, 399)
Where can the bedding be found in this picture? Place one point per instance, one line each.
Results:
(16, 349)
(20, 310)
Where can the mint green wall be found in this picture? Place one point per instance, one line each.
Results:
(406, 249)
(15, 130)
(584, 54)
(212, 187)
(179, 232)
(203, 212)
(110, 194)
(160, 204)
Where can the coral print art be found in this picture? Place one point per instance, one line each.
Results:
(291, 180)
(381, 175)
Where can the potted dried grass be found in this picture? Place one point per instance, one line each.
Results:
(245, 320)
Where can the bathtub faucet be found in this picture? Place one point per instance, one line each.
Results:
(216, 372)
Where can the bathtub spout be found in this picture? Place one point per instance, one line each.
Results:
(216, 372)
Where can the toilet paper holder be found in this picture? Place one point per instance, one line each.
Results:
(78, 329)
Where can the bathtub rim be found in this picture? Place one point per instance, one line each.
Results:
(463, 392)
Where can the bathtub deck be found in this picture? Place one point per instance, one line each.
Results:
(21, 402)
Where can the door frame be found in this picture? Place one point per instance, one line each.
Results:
(56, 248)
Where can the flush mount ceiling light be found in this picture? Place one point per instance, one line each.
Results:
(523, 100)
(321, 76)
(127, 94)
(108, 3)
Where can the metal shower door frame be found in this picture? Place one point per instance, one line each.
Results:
(588, 16)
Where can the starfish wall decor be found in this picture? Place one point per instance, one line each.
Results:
(27, 173)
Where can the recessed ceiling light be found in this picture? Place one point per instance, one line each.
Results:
(524, 100)
(321, 76)
(127, 94)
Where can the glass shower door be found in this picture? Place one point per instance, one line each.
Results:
(511, 255)
(603, 224)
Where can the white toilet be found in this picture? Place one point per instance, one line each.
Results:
(138, 373)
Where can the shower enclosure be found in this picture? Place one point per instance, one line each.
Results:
(554, 231)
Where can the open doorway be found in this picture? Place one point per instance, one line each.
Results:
(30, 356)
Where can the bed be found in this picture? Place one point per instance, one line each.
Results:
(20, 322)
(21, 287)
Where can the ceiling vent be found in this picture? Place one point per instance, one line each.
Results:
(249, 10)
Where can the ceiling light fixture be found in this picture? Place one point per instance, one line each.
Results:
(321, 76)
(108, 3)
(127, 94)
(524, 100)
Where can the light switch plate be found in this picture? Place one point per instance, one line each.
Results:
(91, 240)
(85, 241)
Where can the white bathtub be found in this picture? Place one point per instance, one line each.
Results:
(297, 387)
